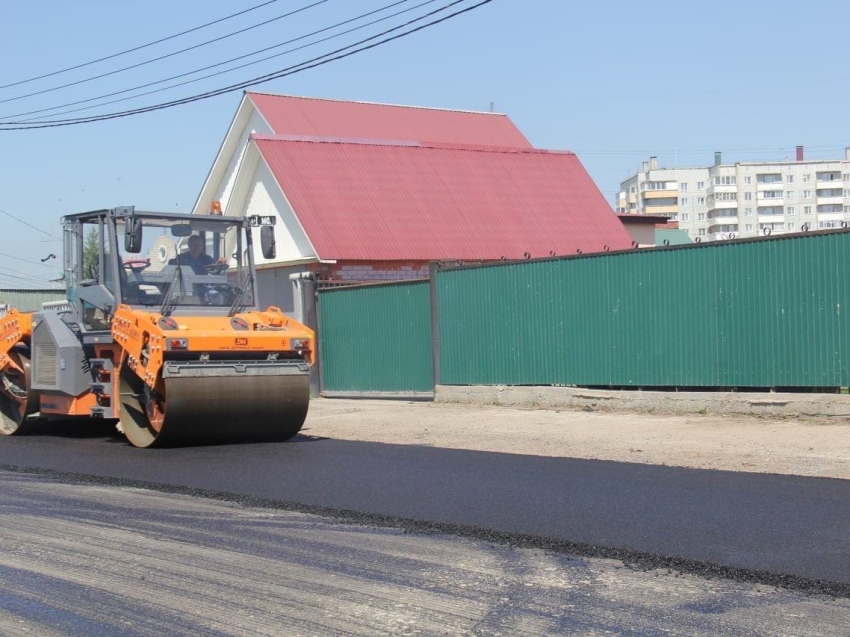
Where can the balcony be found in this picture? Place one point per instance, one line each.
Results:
(773, 185)
(724, 205)
(725, 188)
(723, 218)
(670, 209)
(721, 236)
(660, 194)
(831, 200)
(826, 184)
(764, 202)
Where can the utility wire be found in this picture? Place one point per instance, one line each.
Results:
(304, 66)
(140, 47)
(212, 66)
(3, 254)
(28, 224)
(30, 279)
(167, 55)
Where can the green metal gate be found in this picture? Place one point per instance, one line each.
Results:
(376, 338)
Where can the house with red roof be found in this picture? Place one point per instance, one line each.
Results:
(373, 192)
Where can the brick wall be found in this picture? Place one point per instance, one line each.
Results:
(360, 272)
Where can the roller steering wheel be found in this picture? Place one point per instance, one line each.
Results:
(216, 268)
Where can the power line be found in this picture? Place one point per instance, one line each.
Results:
(167, 55)
(140, 47)
(3, 254)
(30, 279)
(28, 224)
(211, 66)
(304, 66)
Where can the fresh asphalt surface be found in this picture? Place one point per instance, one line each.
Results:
(767, 524)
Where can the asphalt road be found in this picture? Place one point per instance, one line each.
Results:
(747, 523)
(82, 559)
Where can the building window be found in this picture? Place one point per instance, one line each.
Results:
(846, 178)
(847, 193)
(807, 194)
(748, 180)
(748, 196)
(748, 227)
(702, 232)
(807, 178)
(700, 201)
(632, 190)
(727, 180)
(827, 224)
(790, 210)
(789, 179)
(748, 212)
(771, 194)
(686, 216)
(830, 208)
(684, 201)
(789, 193)
(674, 217)
(807, 210)
(846, 209)
(700, 216)
(769, 178)
(789, 226)
(700, 185)
(683, 185)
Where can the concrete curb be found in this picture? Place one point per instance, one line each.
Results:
(658, 402)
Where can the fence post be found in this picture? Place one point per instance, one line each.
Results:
(435, 324)
(307, 306)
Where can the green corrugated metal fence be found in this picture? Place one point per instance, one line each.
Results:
(29, 300)
(767, 313)
(376, 338)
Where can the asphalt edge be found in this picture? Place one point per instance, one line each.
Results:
(638, 560)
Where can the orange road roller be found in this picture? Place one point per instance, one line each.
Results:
(171, 346)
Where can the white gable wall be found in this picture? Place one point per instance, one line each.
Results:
(224, 188)
(265, 198)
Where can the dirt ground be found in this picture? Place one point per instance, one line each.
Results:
(806, 447)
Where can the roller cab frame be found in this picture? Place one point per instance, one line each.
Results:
(175, 349)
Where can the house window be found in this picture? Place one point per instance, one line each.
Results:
(789, 193)
(789, 179)
(789, 210)
(702, 232)
(686, 216)
(807, 178)
(727, 180)
(847, 193)
(700, 201)
(748, 180)
(701, 216)
(632, 190)
(700, 185)
(807, 194)
(684, 201)
(807, 210)
(789, 226)
(846, 178)
(748, 196)
(748, 212)
(748, 227)
(683, 185)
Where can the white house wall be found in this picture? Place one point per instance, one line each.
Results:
(256, 124)
(266, 199)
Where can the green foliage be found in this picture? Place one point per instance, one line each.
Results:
(91, 248)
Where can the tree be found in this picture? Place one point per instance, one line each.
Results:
(91, 251)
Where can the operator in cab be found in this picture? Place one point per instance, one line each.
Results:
(195, 257)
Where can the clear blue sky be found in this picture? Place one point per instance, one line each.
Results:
(615, 81)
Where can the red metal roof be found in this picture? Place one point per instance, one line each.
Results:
(330, 118)
(409, 201)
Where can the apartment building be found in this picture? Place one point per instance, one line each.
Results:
(745, 199)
